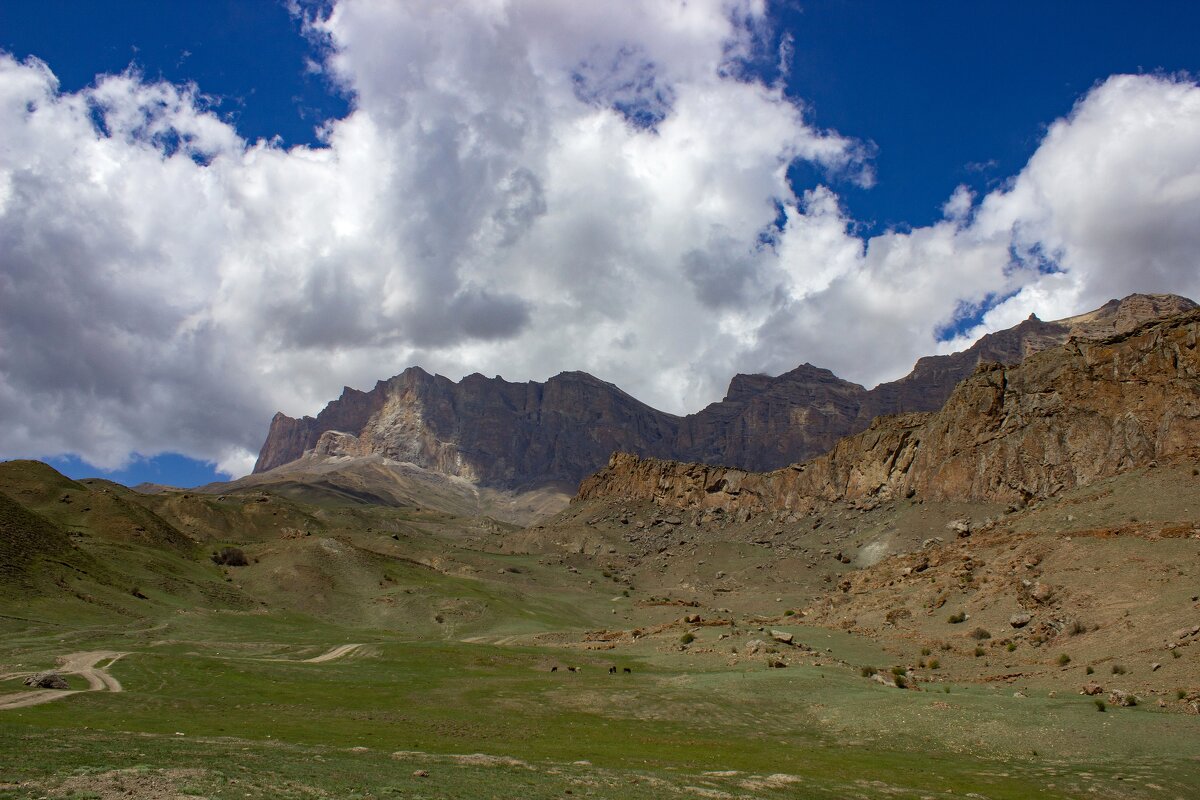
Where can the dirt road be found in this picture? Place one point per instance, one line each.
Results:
(83, 664)
(337, 652)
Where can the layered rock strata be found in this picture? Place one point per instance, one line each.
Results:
(519, 435)
(1064, 417)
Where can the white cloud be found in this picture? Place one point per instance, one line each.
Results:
(520, 189)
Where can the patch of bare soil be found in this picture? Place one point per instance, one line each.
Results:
(133, 784)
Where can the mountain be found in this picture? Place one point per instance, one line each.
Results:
(1062, 418)
(516, 436)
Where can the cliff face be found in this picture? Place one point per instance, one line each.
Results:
(517, 435)
(497, 433)
(1064, 417)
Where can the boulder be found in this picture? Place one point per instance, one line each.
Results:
(1091, 689)
(47, 680)
(1117, 697)
(1042, 592)
(782, 636)
(755, 645)
(1020, 620)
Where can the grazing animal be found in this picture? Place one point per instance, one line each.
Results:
(612, 670)
(627, 671)
(554, 669)
(570, 669)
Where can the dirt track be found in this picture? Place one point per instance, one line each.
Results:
(337, 652)
(74, 664)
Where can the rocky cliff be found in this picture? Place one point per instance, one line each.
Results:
(510, 435)
(1064, 417)
(518, 435)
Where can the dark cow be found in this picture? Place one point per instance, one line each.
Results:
(627, 671)
(612, 670)
(554, 669)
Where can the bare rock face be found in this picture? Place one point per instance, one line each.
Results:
(1064, 417)
(517, 435)
(484, 429)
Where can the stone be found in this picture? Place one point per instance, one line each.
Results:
(1041, 592)
(782, 636)
(754, 646)
(1020, 620)
(961, 527)
(1091, 689)
(47, 680)
(420, 773)
(1118, 697)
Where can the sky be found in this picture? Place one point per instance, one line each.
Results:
(211, 211)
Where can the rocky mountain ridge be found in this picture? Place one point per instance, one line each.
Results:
(1062, 418)
(521, 435)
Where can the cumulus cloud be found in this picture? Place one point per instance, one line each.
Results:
(519, 189)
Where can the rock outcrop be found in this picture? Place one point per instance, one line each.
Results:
(509, 435)
(518, 435)
(1064, 417)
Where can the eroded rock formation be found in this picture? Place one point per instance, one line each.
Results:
(1064, 417)
(519, 435)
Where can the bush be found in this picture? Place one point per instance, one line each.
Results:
(957, 617)
(934, 663)
(1176, 654)
(925, 651)
(687, 638)
(1063, 659)
(230, 557)
(1075, 628)
(980, 634)
(1011, 646)
(1180, 694)
(1117, 669)
(901, 682)
(979, 651)
(898, 671)
(867, 672)
(1099, 704)
(1089, 670)
(789, 613)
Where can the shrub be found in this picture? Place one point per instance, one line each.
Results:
(1011, 646)
(230, 557)
(867, 672)
(901, 682)
(979, 651)
(980, 634)
(789, 613)
(1063, 659)
(1117, 669)
(957, 617)
(1176, 654)
(1076, 627)
(1089, 670)
(1180, 694)
(897, 671)
(1099, 704)
(934, 663)
(925, 651)
(687, 638)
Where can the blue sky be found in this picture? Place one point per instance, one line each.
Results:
(893, 109)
